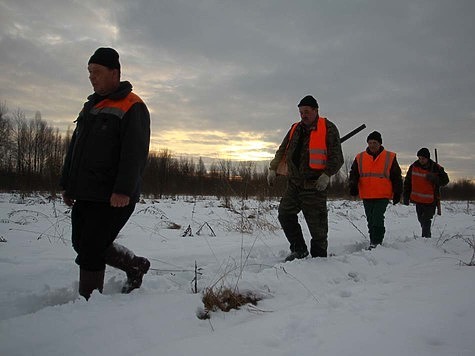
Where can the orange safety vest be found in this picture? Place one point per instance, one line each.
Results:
(317, 146)
(374, 181)
(422, 189)
(116, 107)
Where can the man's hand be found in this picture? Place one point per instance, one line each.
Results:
(67, 200)
(322, 182)
(271, 177)
(119, 200)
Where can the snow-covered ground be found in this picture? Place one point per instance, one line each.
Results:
(411, 296)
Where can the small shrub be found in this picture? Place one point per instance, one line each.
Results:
(225, 299)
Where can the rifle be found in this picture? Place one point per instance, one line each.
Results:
(437, 189)
(352, 133)
(282, 167)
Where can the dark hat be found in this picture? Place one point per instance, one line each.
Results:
(308, 101)
(423, 152)
(375, 135)
(108, 57)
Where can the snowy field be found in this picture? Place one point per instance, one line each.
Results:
(411, 296)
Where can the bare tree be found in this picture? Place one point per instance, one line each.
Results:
(5, 138)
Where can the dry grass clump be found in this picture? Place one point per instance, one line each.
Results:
(225, 299)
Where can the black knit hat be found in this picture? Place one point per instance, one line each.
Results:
(375, 135)
(423, 152)
(108, 57)
(308, 101)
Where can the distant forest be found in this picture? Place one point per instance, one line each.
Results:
(32, 153)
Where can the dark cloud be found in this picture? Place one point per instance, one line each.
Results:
(402, 67)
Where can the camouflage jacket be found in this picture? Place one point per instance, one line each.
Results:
(297, 155)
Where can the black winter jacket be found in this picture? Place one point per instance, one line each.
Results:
(108, 149)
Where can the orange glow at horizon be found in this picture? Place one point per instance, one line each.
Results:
(242, 146)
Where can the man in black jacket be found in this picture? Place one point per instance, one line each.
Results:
(421, 186)
(102, 173)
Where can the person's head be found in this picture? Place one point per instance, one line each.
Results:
(104, 70)
(308, 109)
(374, 141)
(423, 155)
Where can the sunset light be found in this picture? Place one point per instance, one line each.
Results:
(244, 146)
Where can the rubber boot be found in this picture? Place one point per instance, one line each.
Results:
(316, 250)
(426, 229)
(135, 267)
(90, 280)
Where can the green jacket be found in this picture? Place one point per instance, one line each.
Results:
(297, 155)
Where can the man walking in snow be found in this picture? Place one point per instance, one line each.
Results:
(101, 176)
(421, 186)
(376, 176)
(311, 154)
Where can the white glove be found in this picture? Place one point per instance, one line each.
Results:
(322, 182)
(271, 177)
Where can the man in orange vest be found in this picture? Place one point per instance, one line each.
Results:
(311, 153)
(376, 176)
(421, 186)
(102, 174)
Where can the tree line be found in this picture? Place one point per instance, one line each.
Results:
(32, 154)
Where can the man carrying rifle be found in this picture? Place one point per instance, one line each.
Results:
(421, 186)
(311, 153)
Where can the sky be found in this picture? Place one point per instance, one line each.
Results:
(222, 79)
(409, 296)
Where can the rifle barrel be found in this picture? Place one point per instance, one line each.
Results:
(352, 133)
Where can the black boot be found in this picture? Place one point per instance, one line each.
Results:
(135, 267)
(426, 229)
(296, 255)
(316, 250)
(90, 280)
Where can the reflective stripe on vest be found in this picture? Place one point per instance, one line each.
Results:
(375, 182)
(116, 107)
(317, 146)
(422, 189)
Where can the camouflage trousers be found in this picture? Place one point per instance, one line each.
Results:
(313, 204)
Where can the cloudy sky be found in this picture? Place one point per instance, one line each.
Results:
(222, 78)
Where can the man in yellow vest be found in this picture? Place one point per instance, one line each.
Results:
(102, 174)
(311, 153)
(376, 176)
(421, 186)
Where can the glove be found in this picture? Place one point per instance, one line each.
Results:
(322, 182)
(271, 177)
(67, 200)
(354, 191)
(396, 198)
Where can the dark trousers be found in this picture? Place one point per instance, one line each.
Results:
(94, 227)
(313, 204)
(425, 213)
(375, 210)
